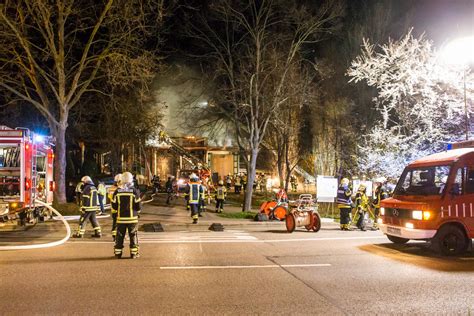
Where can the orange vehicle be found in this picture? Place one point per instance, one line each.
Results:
(26, 174)
(434, 201)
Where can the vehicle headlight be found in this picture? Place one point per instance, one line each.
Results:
(421, 215)
(417, 215)
(382, 211)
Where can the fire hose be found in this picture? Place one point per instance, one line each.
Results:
(45, 245)
(55, 243)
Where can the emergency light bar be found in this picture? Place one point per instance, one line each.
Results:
(464, 144)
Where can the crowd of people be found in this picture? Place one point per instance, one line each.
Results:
(125, 200)
(364, 206)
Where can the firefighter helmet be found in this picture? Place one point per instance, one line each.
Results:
(380, 180)
(118, 178)
(221, 182)
(345, 181)
(86, 179)
(362, 187)
(127, 178)
(193, 177)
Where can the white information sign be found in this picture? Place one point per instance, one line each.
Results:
(326, 189)
(357, 183)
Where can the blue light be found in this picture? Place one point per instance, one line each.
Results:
(38, 138)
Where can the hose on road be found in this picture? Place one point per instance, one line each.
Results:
(46, 245)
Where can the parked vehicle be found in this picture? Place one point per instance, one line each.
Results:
(434, 201)
(26, 174)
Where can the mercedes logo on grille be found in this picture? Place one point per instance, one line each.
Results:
(395, 212)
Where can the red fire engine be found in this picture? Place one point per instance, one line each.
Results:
(26, 174)
(434, 201)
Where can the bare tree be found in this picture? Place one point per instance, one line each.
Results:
(53, 53)
(252, 45)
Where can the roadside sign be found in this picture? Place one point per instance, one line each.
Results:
(326, 189)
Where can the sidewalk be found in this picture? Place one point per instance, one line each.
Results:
(175, 217)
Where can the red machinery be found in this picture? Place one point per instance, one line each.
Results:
(305, 214)
(26, 174)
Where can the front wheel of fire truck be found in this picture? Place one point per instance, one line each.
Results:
(397, 240)
(451, 241)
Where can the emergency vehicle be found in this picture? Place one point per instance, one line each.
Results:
(26, 174)
(434, 201)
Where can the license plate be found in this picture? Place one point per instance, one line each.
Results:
(394, 231)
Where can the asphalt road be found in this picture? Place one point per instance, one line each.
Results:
(247, 269)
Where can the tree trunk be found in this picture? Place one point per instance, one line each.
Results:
(280, 163)
(252, 166)
(60, 162)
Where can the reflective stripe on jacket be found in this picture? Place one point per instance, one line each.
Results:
(344, 197)
(221, 193)
(127, 203)
(194, 191)
(90, 198)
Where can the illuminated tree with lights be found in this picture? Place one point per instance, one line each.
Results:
(420, 102)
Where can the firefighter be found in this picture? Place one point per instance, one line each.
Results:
(381, 193)
(221, 193)
(344, 203)
(194, 192)
(294, 183)
(169, 190)
(362, 204)
(281, 196)
(126, 200)
(89, 207)
(101, 191)
(113, 211)
(202, 202)
(237, 184)
(228, 181)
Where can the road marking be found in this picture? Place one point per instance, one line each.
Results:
(168, 240)
(248, 267)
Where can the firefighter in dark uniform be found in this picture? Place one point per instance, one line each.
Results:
(202, 202)
(89, 207)
(362, 205)
(110, 194)
(221, 193)
(126, 200)
(381, 193)
(344, 203)
(194, 192)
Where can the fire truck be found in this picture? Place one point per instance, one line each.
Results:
(26, 174)
(434, 201)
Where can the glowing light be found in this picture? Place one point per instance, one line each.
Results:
(409, 225)
(459, 52)
(38, 138)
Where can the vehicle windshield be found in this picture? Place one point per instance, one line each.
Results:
(423, 181)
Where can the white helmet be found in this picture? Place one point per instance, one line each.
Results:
(381, 180)
(193, 177)
(86, 179)
(118, 178)
(127, 177)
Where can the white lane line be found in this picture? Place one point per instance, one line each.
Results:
(248, 267)
(177, 241)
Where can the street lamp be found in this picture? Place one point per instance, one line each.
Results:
(460, 52)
